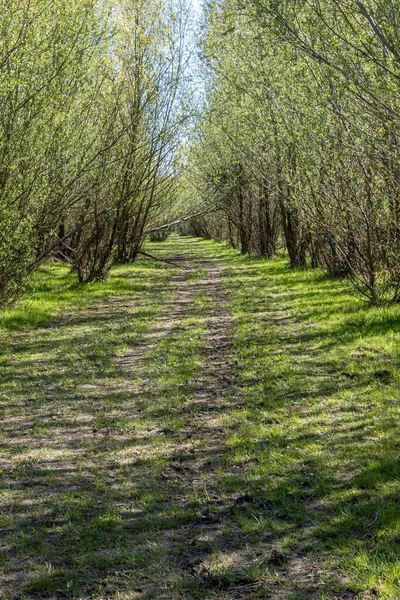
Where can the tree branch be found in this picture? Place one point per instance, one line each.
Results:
(375, 28)
(169, 262)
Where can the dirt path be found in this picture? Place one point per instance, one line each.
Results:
(148, 427)
(208, 390)
(134, 466)
(182, 296)
(195, 450)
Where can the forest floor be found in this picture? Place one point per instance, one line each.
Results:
(228, 430)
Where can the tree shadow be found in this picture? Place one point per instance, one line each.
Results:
(142, 486)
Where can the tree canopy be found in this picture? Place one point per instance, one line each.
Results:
(292, 145)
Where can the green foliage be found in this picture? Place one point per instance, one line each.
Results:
(302, 99)
(87, 132)
(16, 252)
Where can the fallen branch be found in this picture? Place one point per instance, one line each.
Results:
(169, 262)
(183, 220)
(64, 259)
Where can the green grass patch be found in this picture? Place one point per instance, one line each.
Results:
(141, 461)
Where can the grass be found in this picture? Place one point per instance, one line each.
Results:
(143, 458)
(318, 435)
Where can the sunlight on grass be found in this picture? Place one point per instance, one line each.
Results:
(324, 365)
(281, 476)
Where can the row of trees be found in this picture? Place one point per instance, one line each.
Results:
(299, 140)
(89, 124)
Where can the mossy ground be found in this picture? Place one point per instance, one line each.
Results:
(265, 465)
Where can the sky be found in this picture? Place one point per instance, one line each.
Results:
(196, 6)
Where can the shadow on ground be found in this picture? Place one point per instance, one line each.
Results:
(155, 447)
